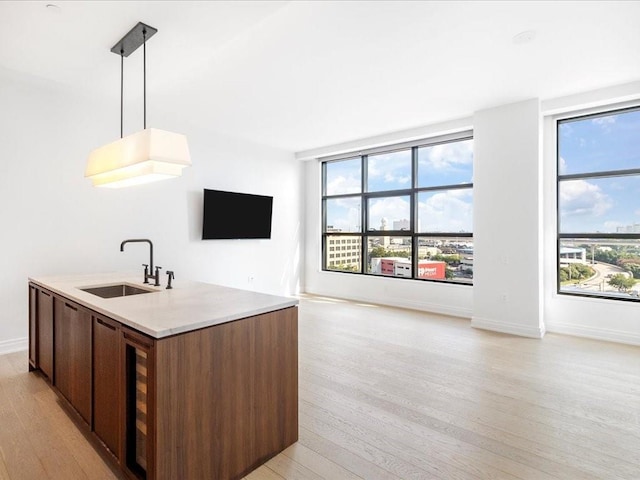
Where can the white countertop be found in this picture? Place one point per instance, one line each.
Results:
(188, 306)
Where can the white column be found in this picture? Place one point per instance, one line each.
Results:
(507, 294)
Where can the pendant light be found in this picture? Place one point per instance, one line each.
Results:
(145, 156)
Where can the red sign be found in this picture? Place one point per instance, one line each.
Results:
(434, 270)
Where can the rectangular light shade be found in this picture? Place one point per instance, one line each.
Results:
(145, 156)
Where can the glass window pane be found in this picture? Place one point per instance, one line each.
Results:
(390, 256)
(449, 211)
(446, 258)
(596, 144)
(389, 213)
(342, 253)
(343, 177)
(445, 164)
(389, 171)
(605, 205)
(343, 214)
(601, 267)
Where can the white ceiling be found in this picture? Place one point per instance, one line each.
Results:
(306, 74)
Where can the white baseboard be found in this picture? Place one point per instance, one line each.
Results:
(595, 333)
(433, 308)
(14, 345)
(510, 328)
(420, 306)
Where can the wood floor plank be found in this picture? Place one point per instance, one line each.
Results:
(420, 440)
(4, 474)
(289, 468)
(601, 444)
(263, 473)
(418, 396)
(83, 451)
(587, 405)
(376, 450)
(15, 444)
(57, 460)
(318, 464)
(343, 456)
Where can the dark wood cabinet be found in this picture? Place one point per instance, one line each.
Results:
(107, 390)
(33, 327)
(44, 332)
(216, 402)
(229, 392)
(73, 355)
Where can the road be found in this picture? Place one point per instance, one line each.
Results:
(599, 281)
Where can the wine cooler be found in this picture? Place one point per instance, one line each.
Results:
(137, 408)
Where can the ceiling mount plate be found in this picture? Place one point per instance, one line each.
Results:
(132, 40)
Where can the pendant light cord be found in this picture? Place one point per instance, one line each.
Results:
(144, 74)
(121, 93)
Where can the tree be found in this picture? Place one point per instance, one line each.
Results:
(378, 251)
(607, 256)
(452, 259)
(576, 272)
(633, 268)
(622, 282)
(632, 265)
(346, 267)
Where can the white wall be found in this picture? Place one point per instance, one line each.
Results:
(53, 221)
(514, 230)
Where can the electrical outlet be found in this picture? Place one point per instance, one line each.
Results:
(504, 298)
(249, 279)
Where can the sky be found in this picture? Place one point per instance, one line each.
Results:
(442, 210)
(596, 144)
(585, 145)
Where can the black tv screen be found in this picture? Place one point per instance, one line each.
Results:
(231, 215)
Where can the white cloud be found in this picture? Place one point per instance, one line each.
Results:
(344, 214)
(579, 197)
(566, 130)
(448, 211)
(397, 179)
(611, 225)
(447, 156)
(342, 184)
(562, 166)
(391, 208)
(605, 120)
(393, 168)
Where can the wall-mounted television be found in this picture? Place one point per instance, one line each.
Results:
(233, 215)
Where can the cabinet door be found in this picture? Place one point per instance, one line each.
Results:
(45, 332)
(107, 405)
(73, 355)
(33, 328)
(139, 437)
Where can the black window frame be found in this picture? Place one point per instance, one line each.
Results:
(364, 195)
(589, 237)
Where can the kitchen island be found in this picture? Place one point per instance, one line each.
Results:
(196, 382)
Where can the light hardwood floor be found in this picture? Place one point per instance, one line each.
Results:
(387, 393)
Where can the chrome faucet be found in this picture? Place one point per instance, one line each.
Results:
(148, 272)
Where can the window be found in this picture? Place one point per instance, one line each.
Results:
(599, 205)
(404, 211)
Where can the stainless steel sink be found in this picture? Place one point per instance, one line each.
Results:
(117, 290)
